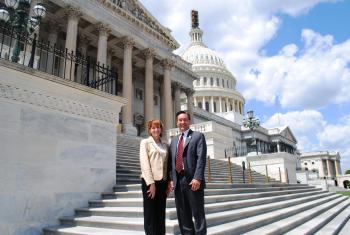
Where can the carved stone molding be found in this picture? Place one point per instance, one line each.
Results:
(149, 53)
(103, 29)
(177, 85)
(55, 103)
(189, 91)
(128, 42)
(72, 12)
(168, 64)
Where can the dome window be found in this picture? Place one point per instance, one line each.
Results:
(217, 82)
(211, 82)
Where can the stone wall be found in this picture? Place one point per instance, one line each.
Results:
(57, 147)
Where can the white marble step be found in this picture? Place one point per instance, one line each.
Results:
(81, 230)
(267, 216)
(306, 222)
(345, 229)
(336, 224)
(123, 223)
(321, 219)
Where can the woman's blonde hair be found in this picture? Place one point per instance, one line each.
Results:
(156, 123)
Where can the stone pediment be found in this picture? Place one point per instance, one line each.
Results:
(134, 11)
(287, 133)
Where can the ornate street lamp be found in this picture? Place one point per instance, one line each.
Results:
(17, 15)
(252, 123)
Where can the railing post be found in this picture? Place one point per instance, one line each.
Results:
(267, 174)
(230, 170)
(209, 170)
(250, 173)
(279, 171)
(287, 178)
(32, 54)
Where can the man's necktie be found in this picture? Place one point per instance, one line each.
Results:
(180, 150)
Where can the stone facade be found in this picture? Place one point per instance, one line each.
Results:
(57, 147)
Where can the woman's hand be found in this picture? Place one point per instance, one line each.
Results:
(151, 191)
(170, 188)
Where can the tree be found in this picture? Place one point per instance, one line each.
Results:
(347, 172)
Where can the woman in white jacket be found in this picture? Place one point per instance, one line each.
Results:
(154, 171)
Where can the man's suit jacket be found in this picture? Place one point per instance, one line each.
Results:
(194, 157)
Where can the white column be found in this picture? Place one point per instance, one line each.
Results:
(195, 101)
(278, 147)
(73, 15)
(168, 111)
(233, 104)
(83, 47)
(220, 104)
(149, 94)
(212, 104)
(203, 102)
(227, 105)
(52, 38)
(103, 32)
(128, 127)
(328, 168)
(177, 93)
(189, 94)
(337, 167)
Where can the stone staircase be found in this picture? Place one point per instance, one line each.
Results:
(257, 208)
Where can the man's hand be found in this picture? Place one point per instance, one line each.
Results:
(170, 187)
(152, 191)
(195, 184)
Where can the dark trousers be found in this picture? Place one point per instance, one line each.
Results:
(189, 203)
(154, 209)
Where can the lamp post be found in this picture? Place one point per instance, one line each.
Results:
(252, 123)
(17, 16)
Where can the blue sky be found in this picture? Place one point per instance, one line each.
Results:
(291, 60)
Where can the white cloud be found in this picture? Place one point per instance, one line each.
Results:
(312, 77)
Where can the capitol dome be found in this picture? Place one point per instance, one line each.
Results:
(215, 90)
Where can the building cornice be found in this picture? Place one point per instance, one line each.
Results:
(136, 14)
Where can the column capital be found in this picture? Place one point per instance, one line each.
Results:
(177, 85)
(128, 42)
(189, 91)
(168, 64)
(103, 29)
(149, 53)
(72, 12)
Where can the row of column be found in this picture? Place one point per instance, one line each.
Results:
(331, 166)
(103, 57)
(167, 112)
(237, 106)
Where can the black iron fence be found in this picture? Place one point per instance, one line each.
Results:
(56, 60)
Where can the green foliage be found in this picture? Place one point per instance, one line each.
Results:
(344, 193)
(347, 172)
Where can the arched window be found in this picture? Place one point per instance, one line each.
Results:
(211, 82)
(205, 81)
(217, 81)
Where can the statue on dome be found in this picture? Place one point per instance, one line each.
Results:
(194, 16)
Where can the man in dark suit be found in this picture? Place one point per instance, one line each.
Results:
(188, 158)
